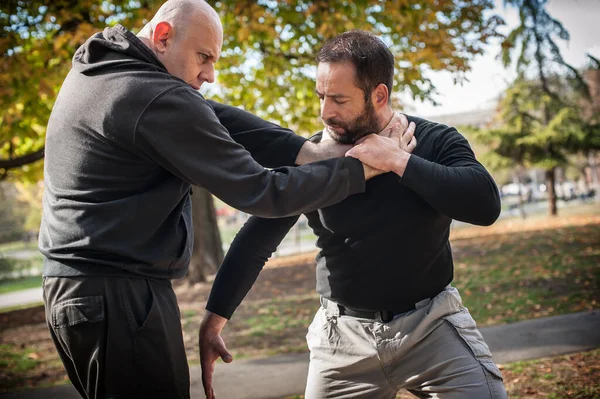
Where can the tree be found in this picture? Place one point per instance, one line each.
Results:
(267, 64)
(37, 43)
(591, 114)
(208, 247)
(524, 137)
(538, 59)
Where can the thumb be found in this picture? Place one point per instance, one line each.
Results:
(224, 353)
(353, 152)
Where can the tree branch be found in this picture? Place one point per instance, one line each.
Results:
(21, 161)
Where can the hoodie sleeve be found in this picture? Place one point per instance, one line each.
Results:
(269, 144)
(180, 131)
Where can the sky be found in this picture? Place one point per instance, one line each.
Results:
(488, 78)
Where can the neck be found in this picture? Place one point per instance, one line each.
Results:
(385, 117)
(144, 35)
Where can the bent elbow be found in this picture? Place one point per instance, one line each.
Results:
(491, 214)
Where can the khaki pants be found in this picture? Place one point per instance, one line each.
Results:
(434, 351)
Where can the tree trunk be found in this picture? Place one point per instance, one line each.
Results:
(594, 171)
(208, 248)
(551, 192)
(520, 203)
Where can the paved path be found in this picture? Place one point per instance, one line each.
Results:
(22, 297)
(281, 376)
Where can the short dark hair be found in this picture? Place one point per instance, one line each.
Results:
(372, 59)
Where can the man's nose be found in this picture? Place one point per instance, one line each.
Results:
(327, 109)
(209, 73)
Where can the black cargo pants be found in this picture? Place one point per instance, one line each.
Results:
(118, 337)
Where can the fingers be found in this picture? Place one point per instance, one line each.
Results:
(399, 128)
(211, 348)
(407, 137)
(412, 145)
(358, 147)
(361, 140)
(207, 373)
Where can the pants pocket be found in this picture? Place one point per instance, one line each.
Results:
(467, 330)
(75, 311)
(79, 325)
(79, 329)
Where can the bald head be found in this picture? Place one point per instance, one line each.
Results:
(186, 36)
(182, 14)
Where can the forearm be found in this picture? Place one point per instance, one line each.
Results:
(249, 251)
(313, 152)
(269, 144)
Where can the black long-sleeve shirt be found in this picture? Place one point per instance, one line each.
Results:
(124, 143)
(387, 247)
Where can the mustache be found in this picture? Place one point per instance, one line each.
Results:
(330, 122)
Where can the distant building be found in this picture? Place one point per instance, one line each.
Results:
(475, 118)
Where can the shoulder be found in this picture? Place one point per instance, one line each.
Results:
(181, 99)
(432, 130)
(428, 126)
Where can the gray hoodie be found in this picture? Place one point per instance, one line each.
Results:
(125, 141)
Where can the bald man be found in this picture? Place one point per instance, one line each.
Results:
(128, 136)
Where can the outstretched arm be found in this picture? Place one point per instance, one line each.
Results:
(270, 144)
(250, 250)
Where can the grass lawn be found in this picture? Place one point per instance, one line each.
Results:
(514, 270)
(18, 284)
(17, 246)
(571, 376)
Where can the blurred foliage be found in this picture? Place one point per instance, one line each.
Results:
(30, 195)
(268, 62)
(37, 42)
(541, 119)
(532, 44)
(523, 137)
(12, 214)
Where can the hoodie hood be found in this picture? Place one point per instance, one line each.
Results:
(112, 47)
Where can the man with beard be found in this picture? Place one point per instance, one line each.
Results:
(389, 317)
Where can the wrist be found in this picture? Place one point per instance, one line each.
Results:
(212, 323)
(307, 153)
(400, 162)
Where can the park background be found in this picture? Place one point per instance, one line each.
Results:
(521, 79)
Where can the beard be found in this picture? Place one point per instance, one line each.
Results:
(364, 124)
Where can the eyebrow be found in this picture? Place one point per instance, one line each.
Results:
(336, 95)
(210, 54)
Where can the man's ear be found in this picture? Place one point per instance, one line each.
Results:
(380, 96)
(163, 32)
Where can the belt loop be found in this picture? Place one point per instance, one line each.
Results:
(423, 303)
(384, 316)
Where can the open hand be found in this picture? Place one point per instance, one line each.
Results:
(386, 153)
(212, 347)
